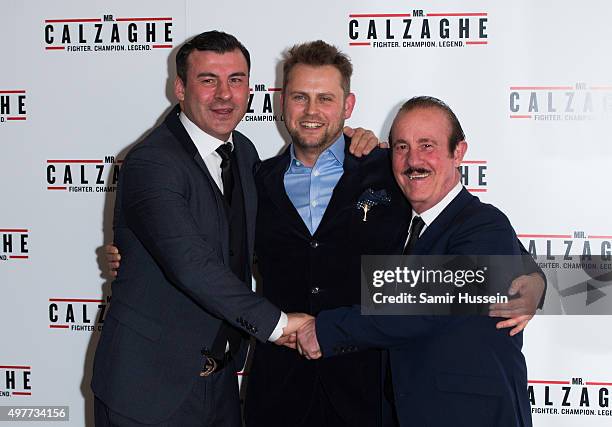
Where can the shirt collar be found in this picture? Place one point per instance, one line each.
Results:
(205, 143)
(336, 150)
(432, 213)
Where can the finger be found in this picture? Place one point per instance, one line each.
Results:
(357, 142)
(111, 249)
(521, 326)
(516, 286)
(113, 273)
(290, 345)
(514, 321)
(383, 144)
(509, 313)
(510, 305)
(348, 131)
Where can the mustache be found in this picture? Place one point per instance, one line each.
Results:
(311, 118)
(410, 171)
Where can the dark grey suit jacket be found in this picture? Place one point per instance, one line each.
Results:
(175, 284)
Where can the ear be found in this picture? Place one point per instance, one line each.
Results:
(179, 89)
(349, 104)
(459, 153)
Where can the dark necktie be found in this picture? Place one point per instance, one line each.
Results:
(225, 151)
(415, 231)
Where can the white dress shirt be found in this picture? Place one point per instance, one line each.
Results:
(432, 213)
(206, 145)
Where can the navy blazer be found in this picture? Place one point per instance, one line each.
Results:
(175, 285)
(309, 273)
(447, 370)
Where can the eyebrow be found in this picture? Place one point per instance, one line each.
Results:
(420, 140)
(209, 74)
(427, 140)
(301, 92)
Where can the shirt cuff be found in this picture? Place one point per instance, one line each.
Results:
(278, 331)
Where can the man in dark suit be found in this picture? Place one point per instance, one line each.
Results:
(310, 235)
(446, 370)
(184, 222)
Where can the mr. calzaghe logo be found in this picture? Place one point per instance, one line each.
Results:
(83, 175)
(576, 398)
(14, 245)
(474, 175)
(418, 29)
(77, 314)
(108, 34)
(15, 380)
(12, 105)
(553, 103)
(263, 101)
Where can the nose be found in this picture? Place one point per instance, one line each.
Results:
(413, 157)
(310, 107)
(223, 91)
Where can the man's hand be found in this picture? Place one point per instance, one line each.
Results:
(294, 322)
(520, 311)
(307, 343)
(363, 141)
(113, 259)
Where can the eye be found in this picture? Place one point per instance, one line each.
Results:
(208, 81)
(236, 80)
(399, 147)
(326, 99)
(299, 98)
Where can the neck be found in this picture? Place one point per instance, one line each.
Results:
(309, 155)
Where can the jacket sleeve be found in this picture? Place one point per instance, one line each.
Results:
(483, 232)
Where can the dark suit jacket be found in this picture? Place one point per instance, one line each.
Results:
(447, 370)
(174, 285)
(307, 273)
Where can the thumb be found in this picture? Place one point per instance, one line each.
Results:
(349, 131)
(515, 287)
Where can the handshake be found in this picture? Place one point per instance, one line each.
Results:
(300, 333)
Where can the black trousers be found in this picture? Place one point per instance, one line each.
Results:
(213, 402)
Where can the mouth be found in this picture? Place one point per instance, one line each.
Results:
(416, 174)
(223, 112)
(311, 125)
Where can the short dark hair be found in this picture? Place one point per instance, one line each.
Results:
(318, 53)
(215, 41)
(416, 102)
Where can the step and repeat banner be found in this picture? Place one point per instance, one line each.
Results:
(82, 81)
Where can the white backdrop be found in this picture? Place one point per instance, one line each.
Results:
(530, 81)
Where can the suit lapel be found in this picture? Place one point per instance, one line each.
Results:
(274, 184)
(245, 170)
(178, 130)
(440, 225)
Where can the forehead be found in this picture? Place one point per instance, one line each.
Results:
(421, 122)
(206, 60)
(323, 77)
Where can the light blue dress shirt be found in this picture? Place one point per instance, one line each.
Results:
(310, 189)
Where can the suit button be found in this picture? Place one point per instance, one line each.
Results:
(314, 244)
(315, 290)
